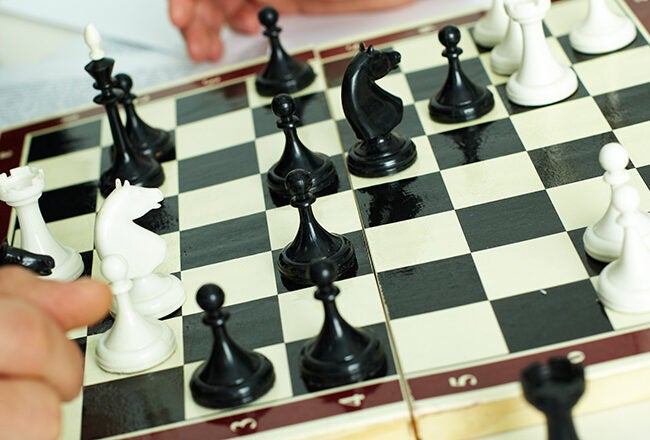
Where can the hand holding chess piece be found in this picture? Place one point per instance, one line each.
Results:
(39, 366)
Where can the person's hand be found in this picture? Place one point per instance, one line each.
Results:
(200, 21)
(39, 366)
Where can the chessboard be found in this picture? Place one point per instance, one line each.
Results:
(471, 262)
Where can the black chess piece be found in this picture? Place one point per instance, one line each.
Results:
(312, 242)
(554, 389)
(459, 99)
(232, 376)
(282, 74)
(127, 163)
(297, 155)
(373, 113)
(37, 263)
(340, 354)
(144, 138)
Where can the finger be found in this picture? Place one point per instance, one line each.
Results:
(181, 12)
(201, 43)
(210, 14)
(230, 7)
(33, 346)
(29, 410)
(245, 20)
(71, 305)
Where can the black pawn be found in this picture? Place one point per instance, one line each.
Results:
(312, 242)
(282, 74)
(459, 99)
(554, 389)
(232, 376)
(127, 163)
(151, 141)
(340, 354)
(297, 155)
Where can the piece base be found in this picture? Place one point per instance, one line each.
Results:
(225, 396)
(450, 114)
(302, 76)
(489, 36)
(534, 96)
(161, 148)
(387, 156)
(606, 40)
(600, 248)
(69, 269)
(156, 299)
(136, 360)
(154, 178)
(622, 300)
(324, 181)
(503, 63)
(319, 375)
(295, 274)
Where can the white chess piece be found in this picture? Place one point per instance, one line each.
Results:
(93, 41)
(602, 30)
(603, 239)
(153, 294)
(541, 80)
(624, 284)
(134, 343)
(491, 28)
(21, 190)
(505, 58)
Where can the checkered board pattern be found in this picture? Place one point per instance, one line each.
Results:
(471, 263)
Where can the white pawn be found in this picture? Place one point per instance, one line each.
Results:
(134, 343)
(541, 80)
(21, 190)
(491, 28)
(603, 239)
(505, 58)
(602, 30)
(624, 284)
(153, 294)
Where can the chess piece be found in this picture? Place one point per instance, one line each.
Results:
(21, 190)
(340, 354)
(505, 58)
(39, 264)
(282, 74)
(554, 389)
(540, 80)
(232, 376)
(602, 30)
(459, 99)
(624, 284)
(134, 343)
(373, 113)
(604, 238)
(490, 30)
(147, 140)
(297, 155)
(127, 163)
(312, 242)
(152, 294)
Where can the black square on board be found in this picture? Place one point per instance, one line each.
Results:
(224, 241)
(554, 315)
(626, 106)
(403, 200)
(217, 167)
(432, 286)
(570, 161)
(162, 220)
(474, 143)
(514, 109)
(577, 57)
(509, 220)
(645, 174)
(293, 353)
(211, 103)
(310, 109)
(262, 315)
(68, 202)
(64, 141)
(426, 83)
(134, 403)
